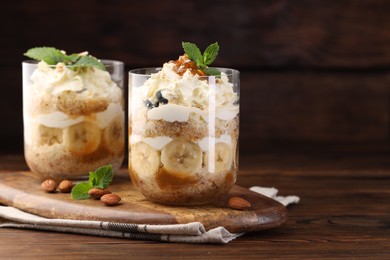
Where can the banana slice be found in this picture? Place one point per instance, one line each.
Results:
(82, 138)
(114, 135)
(182, 157)
(222, 158)
(144, 159)
(49, 135)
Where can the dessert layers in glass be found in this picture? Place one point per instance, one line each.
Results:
(73, 118)
(183, 132)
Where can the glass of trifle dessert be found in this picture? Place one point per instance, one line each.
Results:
(73, 112)
(183, 129)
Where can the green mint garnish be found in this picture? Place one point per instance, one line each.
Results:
(100, 178)
(211, 53)
(212, 71)
(194, 53)
(52, 56)
(88, 61)
(203, 61)
(49, 55)
(80, 191)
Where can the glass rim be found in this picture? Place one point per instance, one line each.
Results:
(153, 70)
(106, 62)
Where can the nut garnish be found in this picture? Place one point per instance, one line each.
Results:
(110, 199)
(49, 185)
(238, 203)
(65, 186)
(97, 193)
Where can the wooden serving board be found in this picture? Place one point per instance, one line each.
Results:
(22, 190)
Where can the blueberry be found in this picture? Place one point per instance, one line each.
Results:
(161, 99)
(149, 104)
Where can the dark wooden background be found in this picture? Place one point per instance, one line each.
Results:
(312, 71)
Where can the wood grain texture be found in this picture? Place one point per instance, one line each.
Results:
(343, 213)
(314, 107)
(281, 33)
(22, 190)
(322, 65)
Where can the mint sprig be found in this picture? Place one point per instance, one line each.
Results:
(203, 60)
(49, 55)
(88, 61)
(211, 53)
(100, 178)
(212, 71)
(80, 191)
(52, 56)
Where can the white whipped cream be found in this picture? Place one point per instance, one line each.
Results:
(226, 112)
(173, 112)
(157, 143)
(57, 119)
(61, 120)
(90, 82)
(113, 110)
(186, 94)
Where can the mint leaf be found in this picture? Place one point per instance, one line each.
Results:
(93, 179)
(202, 61)
(100, 178)
(212, 71)
(80, 191)
(103, 177)
(88, 61)
(193, 53)
(211, 53)
(72, 58)
(50, 55)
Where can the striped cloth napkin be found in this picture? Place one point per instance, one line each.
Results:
(193, 232)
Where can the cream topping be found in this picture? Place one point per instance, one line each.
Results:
(61, 120)
(157, 143)
(113, 110)
(173, 112)
(87, 81)
(58, 119)
(186, 94)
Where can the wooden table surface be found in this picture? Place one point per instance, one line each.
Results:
(344, 213)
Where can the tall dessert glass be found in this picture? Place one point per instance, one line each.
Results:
(73, 118)
(183, 134)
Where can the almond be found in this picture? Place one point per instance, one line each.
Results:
(65, 186)
(49, 185)
(238, 203)
(97, 193)
(110, 199)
